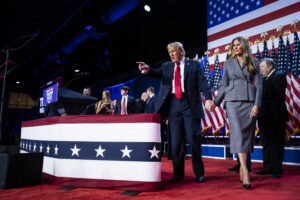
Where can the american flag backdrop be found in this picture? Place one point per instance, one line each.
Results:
(227, 19)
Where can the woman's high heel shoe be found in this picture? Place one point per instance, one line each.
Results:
(246, 176)
(247, 186)
(241, 175)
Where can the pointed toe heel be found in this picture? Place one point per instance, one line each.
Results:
(247, 186)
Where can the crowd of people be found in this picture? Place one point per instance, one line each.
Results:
(121, 106)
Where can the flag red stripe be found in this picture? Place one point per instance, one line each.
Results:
(266, 2)
(216, 114)
(289, 129)
(255, 22)
(295, 89)
(211, 120)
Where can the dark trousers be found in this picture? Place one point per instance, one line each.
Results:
(273, 141)
(183, 125)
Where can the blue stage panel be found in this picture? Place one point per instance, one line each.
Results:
(213, 151)
(291, 155)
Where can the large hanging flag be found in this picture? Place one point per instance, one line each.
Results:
(229, 19)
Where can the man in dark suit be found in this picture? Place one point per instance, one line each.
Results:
(182, 80)
(272, 118)
(141, 103)
(126, 104)
(150, 104)
(90, 108)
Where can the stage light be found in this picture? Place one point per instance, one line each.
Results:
(17, 82)
(76, 70)
(147, 8)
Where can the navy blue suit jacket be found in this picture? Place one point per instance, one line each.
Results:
(131, 106)
(150, 106)
(194, 83)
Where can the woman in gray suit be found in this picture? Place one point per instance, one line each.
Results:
(243, 99)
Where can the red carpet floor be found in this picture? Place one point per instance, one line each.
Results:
(220, 184)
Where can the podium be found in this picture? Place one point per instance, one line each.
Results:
(73, 103)
(106, 151)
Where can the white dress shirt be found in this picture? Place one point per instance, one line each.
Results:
(126, 99)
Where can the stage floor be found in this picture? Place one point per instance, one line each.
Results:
(220, 184)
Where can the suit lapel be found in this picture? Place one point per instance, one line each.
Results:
(171, 68)
(186, 68)
(268, 82)
(238, 69)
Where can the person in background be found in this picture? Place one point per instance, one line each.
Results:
(182, 80)
(90, 108)
(126, 104)
(105, 106)
(272, 118)
(150, 104)
(242, 99)
(141, 103)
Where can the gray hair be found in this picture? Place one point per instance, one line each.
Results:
(179, 45)
(269, 62)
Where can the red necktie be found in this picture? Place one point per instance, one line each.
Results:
(123, 112)
(177, 84)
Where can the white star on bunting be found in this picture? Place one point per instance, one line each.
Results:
(126, 152)
(100, 151)
(75, 150)
(154, 152)
(56, 150)
(41, 148)
(48, 149)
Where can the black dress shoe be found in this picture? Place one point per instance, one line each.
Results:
(176, 178)
(200, 179)
(261, 172)
(247, 186)
(276, 175)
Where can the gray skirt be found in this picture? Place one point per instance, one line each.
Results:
(241, 125)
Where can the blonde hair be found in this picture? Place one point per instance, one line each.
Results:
(247, 55)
